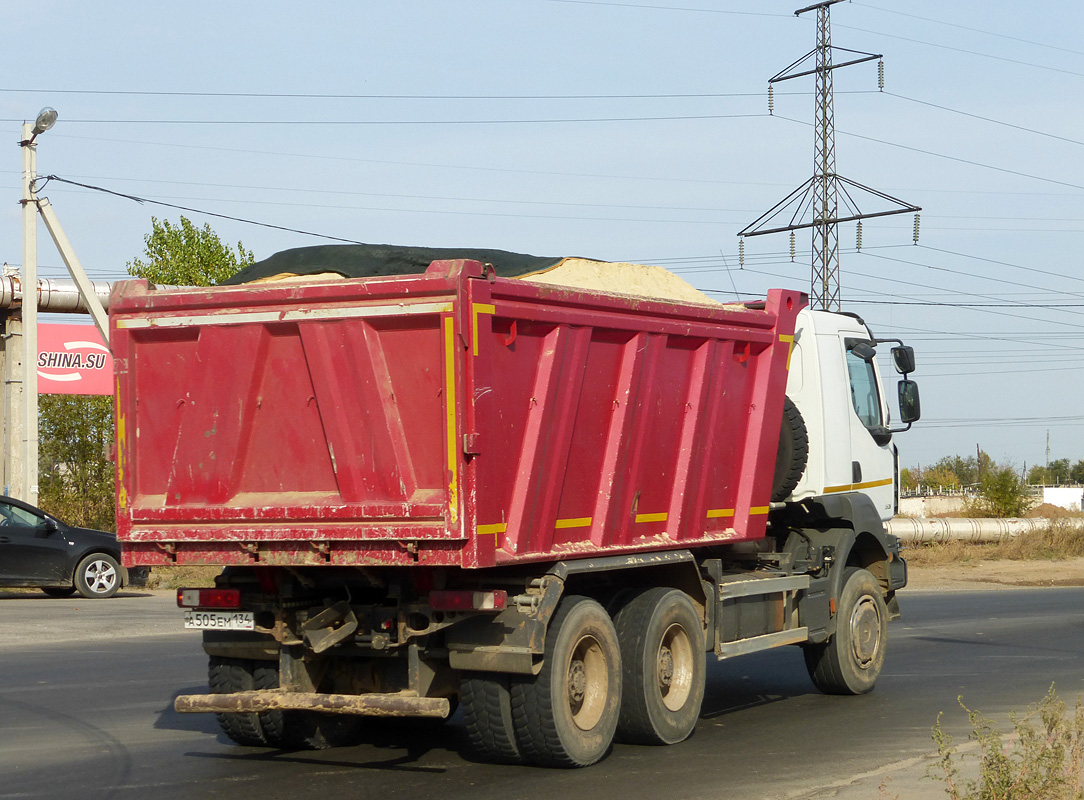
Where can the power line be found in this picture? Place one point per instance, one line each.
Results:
(669, 8)
(946, 157)
(965, 51)
(315, 96)
(968, 28)
(142, 200)
(452, 198)
(427, 122)
(986, 119)
(387, 162)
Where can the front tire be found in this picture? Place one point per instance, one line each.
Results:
(662, 667)
(852, 660)
(567, 714)
(97, 576)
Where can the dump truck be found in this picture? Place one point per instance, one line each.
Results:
(544, 506)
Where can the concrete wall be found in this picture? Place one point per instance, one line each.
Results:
(931, 506)
(1069, 497)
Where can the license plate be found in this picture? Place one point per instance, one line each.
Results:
(220, 620)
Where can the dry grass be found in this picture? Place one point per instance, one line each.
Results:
(1041, 758)
(1059, 541)
(182, 577)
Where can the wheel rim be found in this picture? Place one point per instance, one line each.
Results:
(100, 576)
(674, 667)
(588, 683)
(865, 632)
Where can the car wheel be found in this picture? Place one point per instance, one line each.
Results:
(58, 591)
(98, 575)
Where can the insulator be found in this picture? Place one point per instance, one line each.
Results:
(881, 75)
(741, 253)
(858, 237)
(915, 237)
(771, 99)
(792, 245)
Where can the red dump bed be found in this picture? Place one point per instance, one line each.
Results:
(450, 418)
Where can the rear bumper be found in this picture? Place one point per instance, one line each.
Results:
(401, 704)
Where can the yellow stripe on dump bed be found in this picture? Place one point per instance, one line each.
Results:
(449, 401)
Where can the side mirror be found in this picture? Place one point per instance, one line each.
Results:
(910, 408)
(50, 525)
(864, 351)
(904, 359)
(881, 435)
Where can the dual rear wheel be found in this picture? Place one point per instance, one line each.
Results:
(291, 730)
(638, 677)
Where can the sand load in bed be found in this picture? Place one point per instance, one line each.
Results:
(330, 262)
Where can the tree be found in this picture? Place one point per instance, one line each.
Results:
(940, 475)
(77, 477)
(1002, 493)
(184, 255)
(1038, 476)
(1058, 471)
(909, 478)
(75, 471)
(1076, 474)
(968, 471)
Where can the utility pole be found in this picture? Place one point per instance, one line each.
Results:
(826, 190)
(19, 349)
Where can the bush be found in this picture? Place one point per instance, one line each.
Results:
(1002, 493)
(1042, 758)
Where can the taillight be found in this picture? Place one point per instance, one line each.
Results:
(209, 598)
(468, 601)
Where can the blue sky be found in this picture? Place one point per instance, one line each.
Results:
(623, 130)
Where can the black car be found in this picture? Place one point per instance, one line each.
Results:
(37, 549)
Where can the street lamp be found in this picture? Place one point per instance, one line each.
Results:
(46, 119)
(28, 429)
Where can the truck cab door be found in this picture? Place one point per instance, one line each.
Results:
(873, 457)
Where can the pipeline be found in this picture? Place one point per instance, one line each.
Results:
(54, 294)
(923, 530)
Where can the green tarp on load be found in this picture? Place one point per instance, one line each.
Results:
(370, 260)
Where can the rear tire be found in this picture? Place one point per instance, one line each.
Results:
(288, 730)
(228, 675)
(567, 714)
(303, 730)
(662, 667)
(852, 660)
(486, 699)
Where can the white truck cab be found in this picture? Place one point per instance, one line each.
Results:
(834, 383)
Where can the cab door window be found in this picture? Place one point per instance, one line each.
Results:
(864, 393)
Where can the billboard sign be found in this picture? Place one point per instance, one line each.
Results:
(73, 359)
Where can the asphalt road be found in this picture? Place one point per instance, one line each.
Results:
(86, 690)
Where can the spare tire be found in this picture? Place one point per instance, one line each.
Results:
(793, 453)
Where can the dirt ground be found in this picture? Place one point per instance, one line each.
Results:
(978, 574)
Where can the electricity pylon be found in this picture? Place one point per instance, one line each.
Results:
(816, 203)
